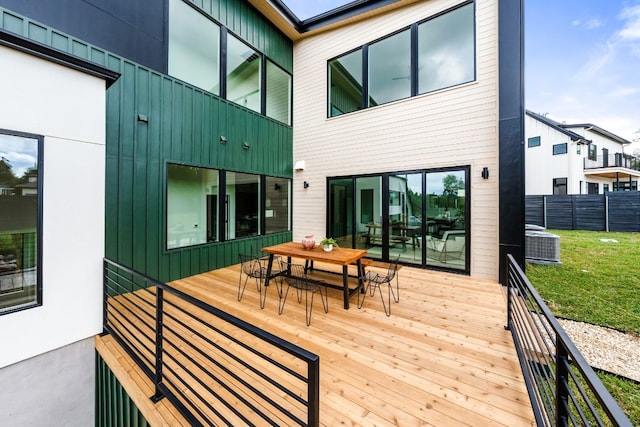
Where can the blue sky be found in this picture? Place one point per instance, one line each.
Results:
(582, 60)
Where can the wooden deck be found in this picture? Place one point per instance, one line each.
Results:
(442, 358)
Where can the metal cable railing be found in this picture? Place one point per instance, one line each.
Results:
(563, 388)
(213, 367)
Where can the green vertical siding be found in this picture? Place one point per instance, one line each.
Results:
(114, 407)
(183, 125)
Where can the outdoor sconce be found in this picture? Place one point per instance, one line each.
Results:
(277, 187)
(306, 184)
(245, 145)
(299, 166)
(485, 172)
(223, 139)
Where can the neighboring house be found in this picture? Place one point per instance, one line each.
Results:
(576, 159)
(233, 125)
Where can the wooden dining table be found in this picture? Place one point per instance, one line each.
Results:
(339, 256)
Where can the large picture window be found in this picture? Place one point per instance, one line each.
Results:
(196, 43)
(243, 74)
(444, 56)
(208, 205)
(194, 47)
(20, 199)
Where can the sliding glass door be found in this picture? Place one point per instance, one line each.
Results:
(418, 216)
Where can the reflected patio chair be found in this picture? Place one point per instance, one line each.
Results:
(375, 281)
(450, 247)
(294, 276)
(253, 267)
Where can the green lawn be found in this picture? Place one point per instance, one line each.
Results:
(598, 282)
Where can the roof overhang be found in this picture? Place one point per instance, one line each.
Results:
(282, 17)
(622, 174)
(600, 131)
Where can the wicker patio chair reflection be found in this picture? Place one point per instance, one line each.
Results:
(253, 267)
(375, 281)
(294, 276)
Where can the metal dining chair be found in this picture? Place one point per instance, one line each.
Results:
(253, 267)
(294, 276)
(375, 281)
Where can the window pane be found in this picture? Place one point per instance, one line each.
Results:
(278, 93)
(194, 47)
(19, 226)
(243, 74)
(446, 227)
(369, 214)
(405, 217)
(243, 201)
(390, 69)
(192, 206)
(345, 84)
(560, 186)
(559, 149)
(535, 142)
(446, 50)
(278, 205)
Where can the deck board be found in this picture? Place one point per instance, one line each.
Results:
(441, 358)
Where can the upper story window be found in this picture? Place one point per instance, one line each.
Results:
(243, 76)
(593, 152)
(560, 148)
(194, 47)
(534, 141)
(20, 201)
(428, 56)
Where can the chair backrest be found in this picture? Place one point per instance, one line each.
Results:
(249, 263)
(296, 272)
(393, 268)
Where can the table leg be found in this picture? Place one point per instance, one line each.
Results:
(269, 268)
(345, 285)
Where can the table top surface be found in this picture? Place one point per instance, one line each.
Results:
(342, 256)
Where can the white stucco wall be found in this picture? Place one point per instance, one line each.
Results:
(67, 107)
(451, 127)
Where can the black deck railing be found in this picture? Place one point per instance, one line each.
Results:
(563, 388)
(213, 367)
(619, 160)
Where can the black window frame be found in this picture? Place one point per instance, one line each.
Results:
(534, 141)
(560, 149)
(224, 33)
(558, 185)
(223, 217)
(593, 152)
(413, 72)
(39, 222)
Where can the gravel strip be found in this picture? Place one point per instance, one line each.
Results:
(605, 348)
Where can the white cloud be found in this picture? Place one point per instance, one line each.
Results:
(622, 92)
(592, 23)
(631, 30)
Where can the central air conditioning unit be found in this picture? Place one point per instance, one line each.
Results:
(542, 247)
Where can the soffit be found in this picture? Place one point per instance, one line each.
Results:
(292, 29)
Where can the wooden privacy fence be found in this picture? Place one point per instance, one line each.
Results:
(617, 211)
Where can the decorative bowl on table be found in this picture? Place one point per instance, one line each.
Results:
(308, 242)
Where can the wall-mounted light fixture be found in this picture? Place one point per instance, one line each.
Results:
(485, 172)
(143, 118)
(246, 145)
(223, 139)
(306, 184)
(299, 166)
(277, 187)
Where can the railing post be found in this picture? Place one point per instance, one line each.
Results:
(158, 362)
(313, 416)
(508, 325)
(562, 378)
(105, 295)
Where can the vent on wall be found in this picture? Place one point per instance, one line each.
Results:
(542, 247)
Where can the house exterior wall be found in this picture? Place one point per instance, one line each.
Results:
(542, 166)
(451, 127)
(67, 107)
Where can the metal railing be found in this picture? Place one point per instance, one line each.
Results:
(563, 388)
(620, 160)
(213, 367)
